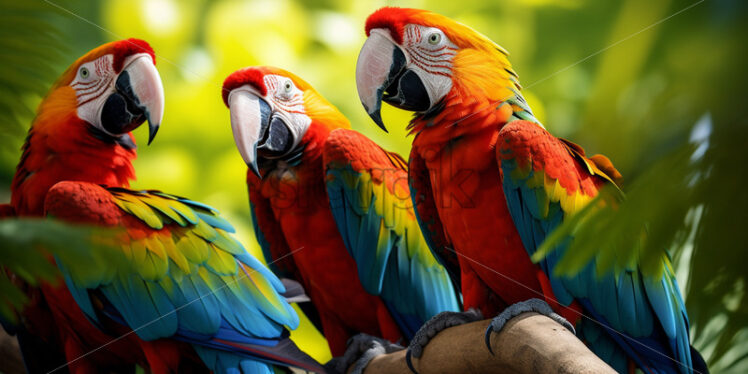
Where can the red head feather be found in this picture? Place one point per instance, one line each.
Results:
(120, 50)
(128, 47)
(252, 76)
(394, 19)
(317, 108)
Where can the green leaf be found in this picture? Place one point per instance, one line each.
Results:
(28, 247)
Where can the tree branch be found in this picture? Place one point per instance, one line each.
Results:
(10, 355)
(529, 343)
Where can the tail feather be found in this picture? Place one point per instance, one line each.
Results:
(222, 362)
(408, 323)
(234, 352)
(649, 354)
(285, 353)
(225, 354)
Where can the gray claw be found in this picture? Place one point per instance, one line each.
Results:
(362, 348)
(531, 305)
(433, 326)
(409, 361)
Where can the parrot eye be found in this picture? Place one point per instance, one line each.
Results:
(287, 87)
(435, 38)
(84, 73)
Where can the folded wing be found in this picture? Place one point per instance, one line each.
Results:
(545, 181)
(371, 203)
(175, 271)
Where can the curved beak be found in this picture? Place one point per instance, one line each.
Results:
(138, 96)
(148, 91)
(382, 74)
(250, 119)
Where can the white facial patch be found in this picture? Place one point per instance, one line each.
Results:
(287, 101)
(92, 82)
(429, 55)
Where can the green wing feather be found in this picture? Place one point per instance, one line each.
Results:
(547, 181)
(372, 207)
(174, 270)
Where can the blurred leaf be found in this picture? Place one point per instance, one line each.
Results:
(691, 202)
(28, 245)
(634, 230)
(718, 272)
(29, 45)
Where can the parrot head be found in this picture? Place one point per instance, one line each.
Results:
(275, 115)
(113, 89)
(423, 62)
(82, 127)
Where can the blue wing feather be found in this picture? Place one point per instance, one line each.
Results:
(200, 304)
(627, 303)
(380, 232)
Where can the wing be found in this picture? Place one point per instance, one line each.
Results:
(271, 239)
(428, 217)
(174, 271)
(371, 203)
(545, 181)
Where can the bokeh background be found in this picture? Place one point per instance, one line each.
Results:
(659, 86)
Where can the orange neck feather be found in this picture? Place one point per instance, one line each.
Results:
(482, 80)
(325, 118)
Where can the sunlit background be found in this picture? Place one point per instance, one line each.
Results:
(628, 79)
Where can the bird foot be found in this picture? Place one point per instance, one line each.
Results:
(531, 305)
(433, 326)
(362, 348)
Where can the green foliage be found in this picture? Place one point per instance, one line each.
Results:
(690, 202)
(636, 102)
(28, 245)
(30, 46)
(716, 287)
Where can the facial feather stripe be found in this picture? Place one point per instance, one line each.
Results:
(433, 59)
(291, 100)
(98, 81)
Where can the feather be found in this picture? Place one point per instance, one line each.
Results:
(221, 262)
(376, 220)
(164, 208)
(179, 275)
(558, 176)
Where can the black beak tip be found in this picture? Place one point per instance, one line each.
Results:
(152, 130)
(255, 169)
(376, 115)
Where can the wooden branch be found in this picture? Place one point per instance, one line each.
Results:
(10, 355)
(529, 343)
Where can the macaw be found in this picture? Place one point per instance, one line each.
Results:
(332, 210)
(490, 183)
(178, 291)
